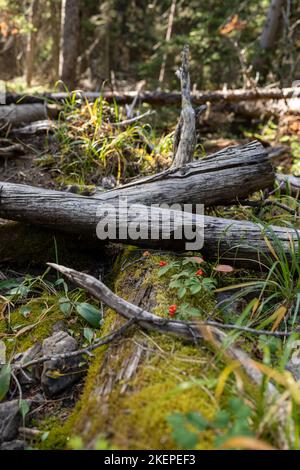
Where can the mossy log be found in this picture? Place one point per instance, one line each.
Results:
(134, 384)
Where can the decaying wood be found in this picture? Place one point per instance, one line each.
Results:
(159, 98)
(220, 178)
(229, 239)
(9, 149)
(185, 134)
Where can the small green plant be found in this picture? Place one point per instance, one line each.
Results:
(188, 281)
(234, 421)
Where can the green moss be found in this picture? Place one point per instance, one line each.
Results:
(33, 321)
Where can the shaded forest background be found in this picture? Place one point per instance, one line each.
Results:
(121, 42)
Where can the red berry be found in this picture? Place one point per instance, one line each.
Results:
(172, 309)
(199, 272)
(162, 263)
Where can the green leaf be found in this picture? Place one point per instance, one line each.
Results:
(25, 311)
(185, 438)
(175, 284)
(181, 292)
(192, 312)
(65, 305)
(222, 419)
(162, 271)
(45, 435)
(24, 408)
(88, 334)
(195, 289)
(21, 291)
(90, 313)
(197, 420)
(9, 283)
(5, 376)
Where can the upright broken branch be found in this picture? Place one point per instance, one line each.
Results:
(185, 134)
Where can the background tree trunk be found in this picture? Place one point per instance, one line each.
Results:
(69, 42)
(55, 8)
(269, 34)
(31, 43)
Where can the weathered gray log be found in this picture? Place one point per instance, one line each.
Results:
(36, 127)
(158, 98)
(172, 229)
(220, 179)
(289, 184)
(20, 113)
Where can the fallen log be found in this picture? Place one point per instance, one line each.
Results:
(141, 225)
(159, 98)
(25, 113)
(123, 379)
(218, 179)
(289, 184)
(17, 114)
(221, 178)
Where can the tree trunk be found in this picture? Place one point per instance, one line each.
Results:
(270, 31)
(69, 42)
(55, 27)
(31, 43)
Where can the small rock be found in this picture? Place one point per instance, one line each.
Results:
(108, 182)
(59, 374)
(13, 445)
(10, 419)
(59, 326)
(33, 374)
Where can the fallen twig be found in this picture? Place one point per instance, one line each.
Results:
(101, 342)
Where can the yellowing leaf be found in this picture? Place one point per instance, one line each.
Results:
(234, 24)
(224, 376)
(255, 306)
(279, 314)
(269, 245)
(243, 442)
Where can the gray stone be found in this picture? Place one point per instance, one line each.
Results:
(59, 326)
(10, 420)
(13, 445)
(294, 369)
(59, 374)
